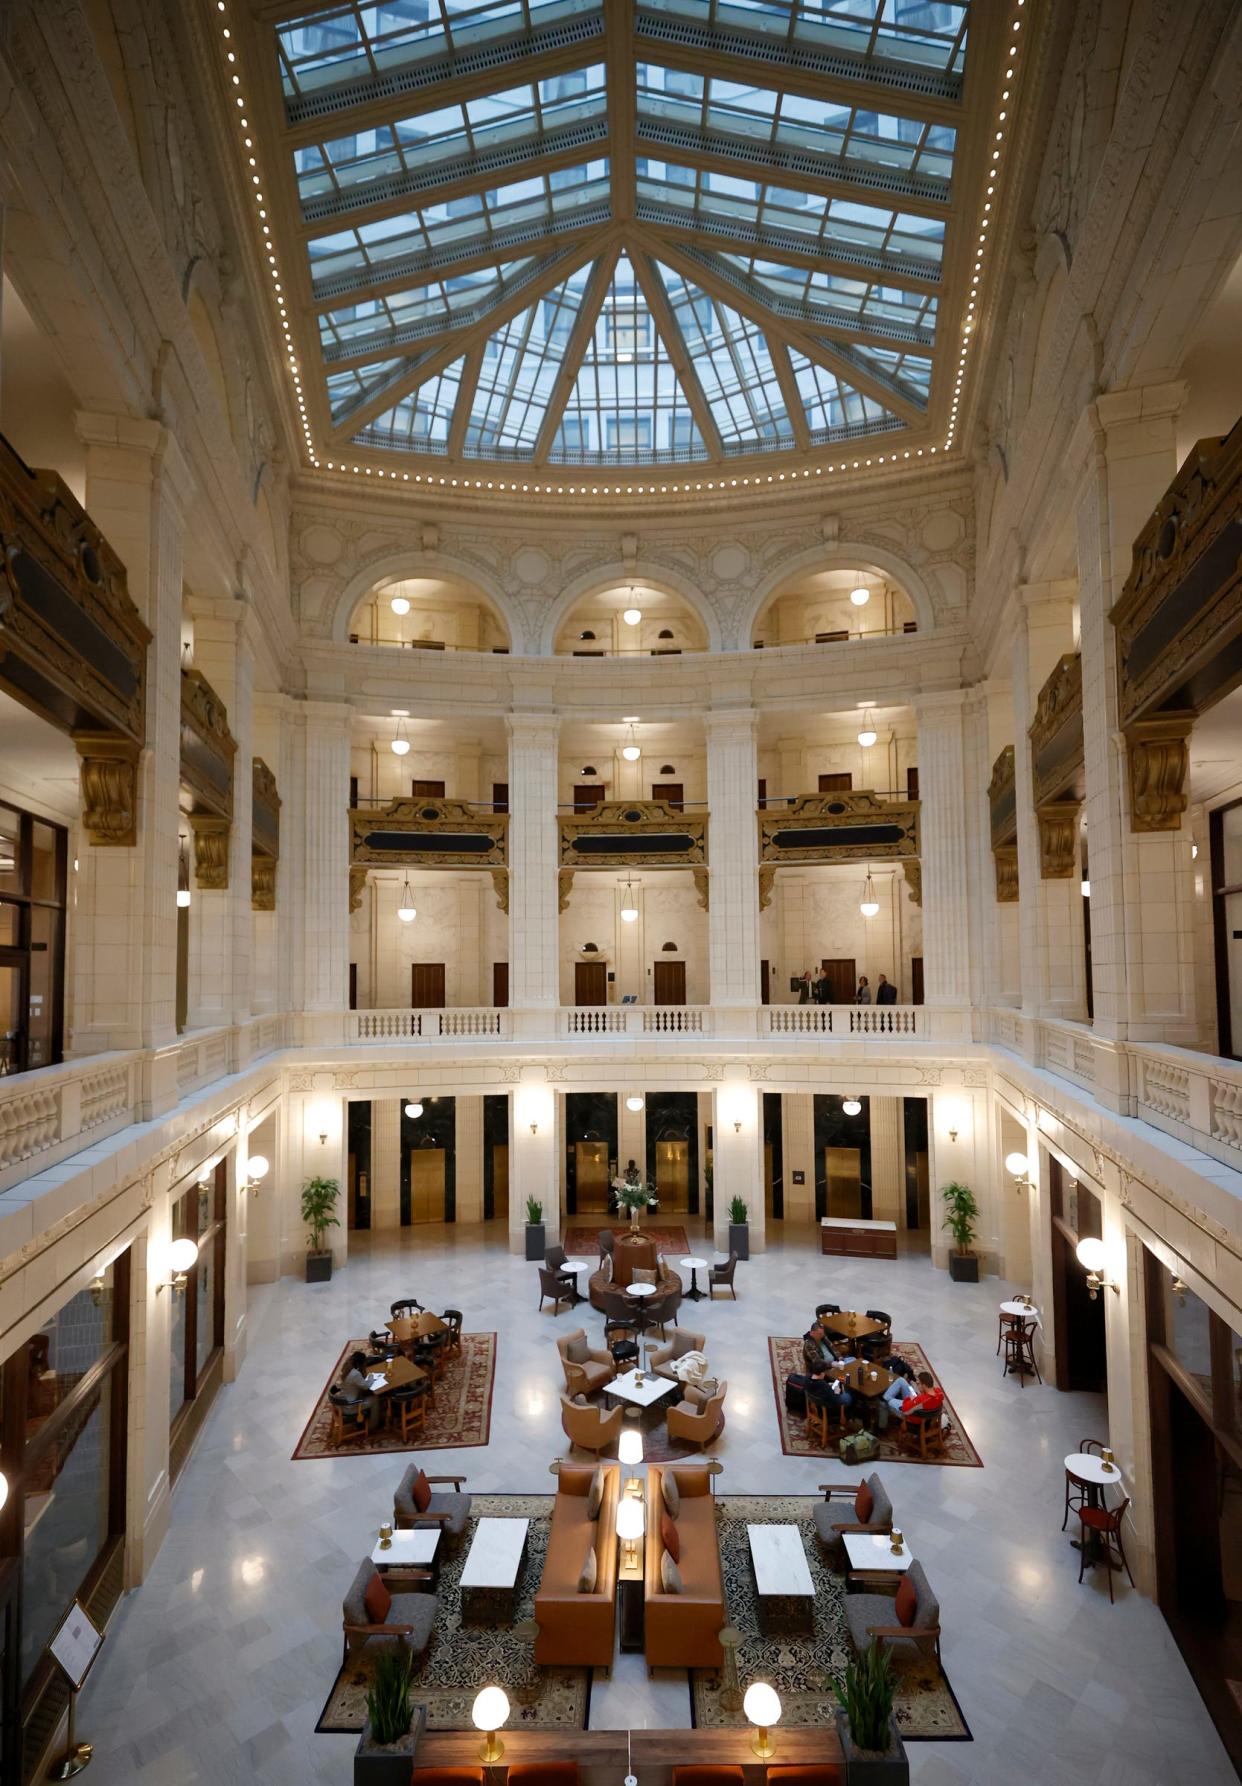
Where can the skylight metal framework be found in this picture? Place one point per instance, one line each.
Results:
(611, 233)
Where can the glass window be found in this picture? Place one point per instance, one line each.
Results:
(65, 1348)
(66, 1520)
(1188, 1329)
(11, 1028)
(46, 842)
(10, 851)
(32, 921)
(205, 1293)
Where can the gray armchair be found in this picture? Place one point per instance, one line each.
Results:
(409, 1617)
(837, 1514)
(448, 1510)
(874, 1615)
(659, 1358)
(559, 1288)
(586, 1371)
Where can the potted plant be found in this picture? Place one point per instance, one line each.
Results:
(536, 1242)
(319, 1197)
(385, 1751)
(874, 1753)
(739, 1229)
(960, 1212)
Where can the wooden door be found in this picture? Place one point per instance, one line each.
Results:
(427, 790)
(427, 985)
(912, 783)
(500, 796)
(836, 784)
(500, 984)
(842, 979)
(765, 983)
(353, 985)
(588, 795)
(763, 793)
(672, 791)
(916, 979)
(590, 982)
(669, 983)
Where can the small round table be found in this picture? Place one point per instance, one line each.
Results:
(640, 1293)
(640, 1290)
(581, 1268)
(694, 1266)
(1095, 1476)
(1019, 1311)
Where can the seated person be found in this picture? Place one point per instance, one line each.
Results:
(904, 1398)
(826, 1388)
(354, 1378)
(817, 1348)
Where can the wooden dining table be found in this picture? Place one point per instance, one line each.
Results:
(867, 1380)
(851, 1325)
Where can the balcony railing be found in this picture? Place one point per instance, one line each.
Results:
(846, 1020)
(399, 1026)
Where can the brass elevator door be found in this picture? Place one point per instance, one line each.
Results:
(672, 1165)
(843, 1173)
(591, 1177)
(426, 1184)
(500, 1181)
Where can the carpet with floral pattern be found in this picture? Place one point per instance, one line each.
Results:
(583, 1243)
(786, 1357)
(462, 1658)
(462, 1414)
(803, 1669)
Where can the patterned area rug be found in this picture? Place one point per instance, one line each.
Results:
(462, 1658)
(462, 1414)
(583, 1243)
(786, 1356)
(803, 1669)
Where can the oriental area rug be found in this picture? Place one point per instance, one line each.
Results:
(786, 1357)
(804, 1669)
(583, 1243)
(462, 1658)
(462, 1414)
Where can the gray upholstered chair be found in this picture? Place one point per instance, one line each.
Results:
(720, 1277)
(591, 1427)
(661, 1358)
(559, 1288)
(839, 1513)
(449, 1510)
(586, 1370)
(409, 1617)
(875, 1615)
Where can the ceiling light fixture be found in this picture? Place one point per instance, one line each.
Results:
(414, 1111)
(406, 910)
(629, 910)
(867, 737)
(851, 1106)
(868, 905)
(401, 744)
(860, 596)
(630, 751)
(634, 1103)
(399, 605)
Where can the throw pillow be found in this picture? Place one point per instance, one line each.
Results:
(906, 1603)
(377, 1600)
(595, 1495)
(580, 1401)
(864, 1503)
(670, 1575)
(420, 1492)
(577, 1351)
(643, 1274)
(671, 1492)
(608, 1269)
(671, 1537)
(586, 1577)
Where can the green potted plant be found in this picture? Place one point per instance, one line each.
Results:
(739, 1228)
(319, 1197)
(960, 1213)
(385, 1751)
(536, 1239)
(874, 1753)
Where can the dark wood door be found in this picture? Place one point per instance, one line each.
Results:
(672, 791)
(842, 979)
(427, 985)
(765, 983)
(590, 982)
(353, 790)
(763, 793)
(500, 984)
(427, 790)
(835, 784)
(586, 796)
(500, 796)
(912, 783)
(353, 985)
(669, 983)
(916, 979)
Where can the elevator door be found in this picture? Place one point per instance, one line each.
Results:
(591, 1177)
(500, 1181)
(843, 1176)
(672, 1163)
(426, 1184)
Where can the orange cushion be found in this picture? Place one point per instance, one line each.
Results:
(864, 1503)
(705, 1776)
(826, 1773)
(544, 1773)
(906, 1603)
(448, 1776)
(377, 1600)
(421, 1491)
(671, 1537)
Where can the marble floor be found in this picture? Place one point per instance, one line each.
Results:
(216, 1668)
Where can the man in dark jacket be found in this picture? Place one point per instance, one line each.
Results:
(885, 992)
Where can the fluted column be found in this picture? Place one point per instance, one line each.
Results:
(534, 919)
(944, 833)
(325, 861)
(887, 1189)
(733, 929)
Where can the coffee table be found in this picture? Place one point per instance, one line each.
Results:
(871, 1559)
(782, 1580)
(490, 1577)
(640, 1400)
(413, 1548)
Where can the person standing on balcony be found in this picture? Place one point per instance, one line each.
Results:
(804, 988)
(885, 992)
(823, 990)
(863, 995)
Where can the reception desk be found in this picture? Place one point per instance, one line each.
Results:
(850, 1237)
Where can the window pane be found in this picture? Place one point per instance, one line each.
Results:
(1188, 1326)
(66, 1523)
(176, 1358)
(10, 851)
(10, 1019)
(206, 1337)
(41, 991)
(10, 924)
(65, 1348)
(43, 852)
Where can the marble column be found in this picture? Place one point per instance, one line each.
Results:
(469, 1159)
(325, 869)
(948, 888)
(798, 1151)
(535, 1128)
(733, 929)
(386, 1162)
(737, 1157)
(534, 918)
(887, 1189)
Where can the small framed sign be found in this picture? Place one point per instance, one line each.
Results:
(75, 1644)
(799, 1177)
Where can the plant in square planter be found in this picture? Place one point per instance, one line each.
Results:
(874, 1753)
(960, 1213)
(536, 1242)
(739, 1229)
(385, 1752)
(319, 1197)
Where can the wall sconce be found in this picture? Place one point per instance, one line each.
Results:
(97, 1290)
(182, 1258)
(1019, 1166)
(257, 1170)
(1093, 1257)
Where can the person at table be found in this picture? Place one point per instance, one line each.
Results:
(824, 1387)
(804, 988)
(355, 1385)
(863, 995)
(817, 1348)
(885, 992)
(923, 1396)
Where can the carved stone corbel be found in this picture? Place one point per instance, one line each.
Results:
(1157, 755)
(211, 851)
(357, 882)
(912, 869)
(565, 886)
(1058, 832)
(767, 881)
(263, 883)
(1005, 857)
(500, 886)
(702, 886)
(109, 779)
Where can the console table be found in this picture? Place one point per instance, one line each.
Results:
(852, 1237)
(601, 1754)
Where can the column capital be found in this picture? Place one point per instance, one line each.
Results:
(335, 714)
(145, 440)
(1053, 589)
(719, 722)
(534, 728)
(940, 706)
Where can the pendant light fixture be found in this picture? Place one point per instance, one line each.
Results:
(851, 1106)
(868, 905)
(631, 751)
(867, 737)
(414, 1111)
(860, 596)
(399, 605)
(406, 911)
(633, 614)
(400, 744)
(183, 878)
(629, 911)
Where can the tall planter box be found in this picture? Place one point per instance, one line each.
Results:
(387, 1764)
(964, 1268)
(536, 1243)
(318, 1267)
(873, 1767)
(739, 1239)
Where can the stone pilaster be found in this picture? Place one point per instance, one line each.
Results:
(733, 929)
(737, 1159)
(946, 864)
(469, 1159)
(887, 1188)
(386, 1162)
(534, 928)
(325, 859)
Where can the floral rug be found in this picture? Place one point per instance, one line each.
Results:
(583, 1243)
(462, 1658)
(786, 1357)
(462, 1415)
(803, 1669)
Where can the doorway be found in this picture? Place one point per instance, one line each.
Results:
(765, 982)
(916, 979)
(1081, 1355)
(918, 1185)
(427, 1171)
(500, 985)
(842, 1158)
(427, 985)
(673, 1150)
(590, 1152)
(842, 979)
(773, 1157)
(669, 983)
(588, 795)
(496, 1157)
(836, 784)
(1225, 849)
(590, 982)
(672, 791)
(429, 1163)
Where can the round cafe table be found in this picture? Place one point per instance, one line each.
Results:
(693, 1266)
(1095, 1476)
(581, 1268)
(1020, 1312)
(640, 1290)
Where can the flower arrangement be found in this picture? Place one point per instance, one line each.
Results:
(635, 1193)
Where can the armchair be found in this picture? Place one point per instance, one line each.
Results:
(721, 1276)
(450, 1511)
(698, 1421)
(660, 1358)
(371, 1609)
(591, 1427)
(586, 1371)
(842, 1509)
(353, 1417)
(552, 1284)
(876, 1615)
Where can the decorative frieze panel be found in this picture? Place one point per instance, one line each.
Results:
(1005, 861)
(109, 782)
(428, 834)
(1003, 821)
(207, 746)
(211, 851)
(264, 837)
(854, 827)
(634, 834)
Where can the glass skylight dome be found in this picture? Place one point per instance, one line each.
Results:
(566, 233)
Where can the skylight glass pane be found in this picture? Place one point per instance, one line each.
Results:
(834, 408)
(816, 296)
(347, 389)
(731, 360)
(911, 372)
(420, 423)
(627, 402)
(520, 365)
(425, 309)
(922, 33)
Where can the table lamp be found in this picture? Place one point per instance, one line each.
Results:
(488, 1713)
(630, 1452)
(763, 1709)
(631, 1525)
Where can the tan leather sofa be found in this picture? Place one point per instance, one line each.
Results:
(682, 1630)
(574, 1627)
(591, 1427)
(698, 1424)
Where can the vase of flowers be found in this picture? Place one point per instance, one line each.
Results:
(633, 1195)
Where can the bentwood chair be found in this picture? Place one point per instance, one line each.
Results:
(1020, 1352)
(452, 1319)
(1077, 1492)
(405, 1310)
(1103, 1524)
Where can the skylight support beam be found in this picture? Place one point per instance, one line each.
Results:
(579, 339)
(817, 259)
(619, 57)
(679, 356)
(790, 392)
(465, 399)
(581, 240)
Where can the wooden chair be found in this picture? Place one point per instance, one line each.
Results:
(823, 1773)
(925, 1430)
(1005, 1324)
(543, 1773)
(1104, 1526)
(351, 1416)
(704, 1775)
(1020, 1352)
(452, 1341)
(721, 1277)
(826, 1308)
(1076, 1490)
(407, 1410)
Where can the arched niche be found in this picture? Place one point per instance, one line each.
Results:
(591, 622)
(813, 604)
(445, 612)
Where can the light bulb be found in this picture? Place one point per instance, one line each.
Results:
(632, 616)
(400, 605)
(1018, 1164)
(1091, 1254)
(400, 747)
(406, 913)
(860, 596)
(631, 753)
(631, 1522)
(866, 738)
(633, 1103)
(629, 914)
(259, 1166)
(851, 1106)
(869, 907)
(182, 1255)
(183, 897)
(413, 1111)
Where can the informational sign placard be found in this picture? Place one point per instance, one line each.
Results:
(75, 1645)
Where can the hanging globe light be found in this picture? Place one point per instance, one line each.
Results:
(399, 605)
(406, 910)
(634, 1103)
(868, 905)
(851, 1106)
(400, 744)
(867, 737)
(633, 614)
(630, 751)
(629, 911)
(860, 596)
(414, 1111)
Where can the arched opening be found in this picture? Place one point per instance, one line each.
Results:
(428, 614)
(834, 605)
(630, 620)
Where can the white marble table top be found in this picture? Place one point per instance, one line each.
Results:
(414, 1549)
(873, 1551)
(578, 1266)
(640, 1290)
(780, 1560)
(644, 1394)
(693, 1264)
(495, 1553)
(1020, 1309)
(1090, 1468)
